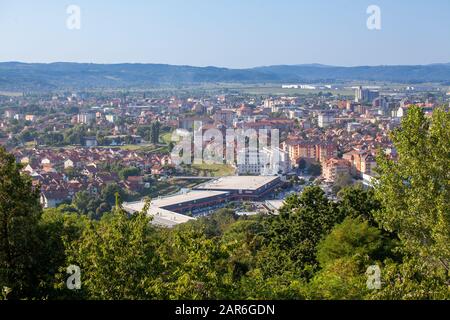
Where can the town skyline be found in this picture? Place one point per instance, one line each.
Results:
(226, 155)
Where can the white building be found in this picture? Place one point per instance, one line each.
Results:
(268, 103)
(249, 162)
(307, 87)
(276, 161)
(68, 164)
(400, 112)
(325, 119)
(353, 126)
(86, 118)
(269, 161)
(111, 118)
(289, 86)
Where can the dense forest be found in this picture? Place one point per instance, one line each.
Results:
(314, 249)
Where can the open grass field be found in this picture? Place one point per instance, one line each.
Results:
(166, 138)
(11, 94)
(139, 147)
(214, 170)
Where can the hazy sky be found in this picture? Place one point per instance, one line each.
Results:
(229, 33)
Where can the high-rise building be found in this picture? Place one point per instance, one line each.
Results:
(359, 94)
(372, 95)
(365, 95)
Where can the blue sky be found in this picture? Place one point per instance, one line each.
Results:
(229, 33)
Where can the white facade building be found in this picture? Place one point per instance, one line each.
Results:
(276, 161)
(248, 162)
(325, 119)
(86, 118)
(266, 162)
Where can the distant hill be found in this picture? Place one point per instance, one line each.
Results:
(407, 74)
(61, 75)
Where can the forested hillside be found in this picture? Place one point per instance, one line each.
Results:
(17, 76)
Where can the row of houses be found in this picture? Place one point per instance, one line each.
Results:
(60, 174)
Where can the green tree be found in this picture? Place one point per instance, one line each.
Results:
(344, 255)
(155, 132)
(341, 279)
(197, 267)
(216, 224)
(287, 285)
(414, 189)
(117, 256)
(108, 194)
(353, 238)
(81, 201)
(56, 227)
(145, 132)
(292, 237)
(355, 201)
(412, 280)
(342, 180)
(129, 172)
(20, 212)
(315, 169)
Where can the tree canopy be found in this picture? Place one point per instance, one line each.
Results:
(315, 248)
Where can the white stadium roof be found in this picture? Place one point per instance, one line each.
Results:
(238, 183)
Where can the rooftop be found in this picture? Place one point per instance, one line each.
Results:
(160, 216)
(238, 183)
(174, 199)
(168, 218)
(186, 197)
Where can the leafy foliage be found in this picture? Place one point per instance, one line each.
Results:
(114, 250)
(414, 193)
(20, 212)
(314, 249)
(292, 236)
